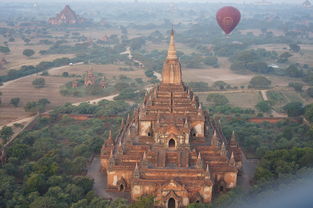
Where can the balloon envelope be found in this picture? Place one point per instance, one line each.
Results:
(228, 18)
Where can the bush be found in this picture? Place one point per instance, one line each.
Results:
(260, 82)
(309, 91)
(264, 106)
(4, 49)
(39, 83)
(294, 71)
(211, 61)
(15, 101)
(199, 86)
(220, 85)
(297, 86)
(65, 74)
(217, 99)
(28, 52)
(294, 109)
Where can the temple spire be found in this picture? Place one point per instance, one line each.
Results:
(171, 73)
(171, 53)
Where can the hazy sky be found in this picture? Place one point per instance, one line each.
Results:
(213, 1)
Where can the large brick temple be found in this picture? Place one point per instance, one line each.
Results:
(170, 148)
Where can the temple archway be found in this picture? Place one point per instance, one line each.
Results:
(121, 185)
(221, 186)
(171, 143)
(121, 188)
(171, 203)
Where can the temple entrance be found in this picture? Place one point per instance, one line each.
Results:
(171, 203)
(171, 143)
(121, 188)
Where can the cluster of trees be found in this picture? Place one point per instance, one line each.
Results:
(15, 101)
(4, 49)
(28, 52)
(253, 60)
(259, 82)
(104, 108)
(6, 133)
(217, 99)
(39, 106)
(46, 166)
(27, 70)
(264, 106)
(257, 139)
(199, 86)
(39, 82)
(282, 162)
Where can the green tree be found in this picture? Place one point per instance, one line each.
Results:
(260, 82)
(31, 107)
(294, 109)
(36, 182)
(65, 74)
(264, 106)
(211, 61)
(217, 99)
(75, 192)
(39, 83)
(297, 86)
(6, 132)
(220, 85)
(4, 49)
(15, 101)
(44, 202)
(199, 86)
(143, 202)
(283, 58)
(28, 52)
(26, 40)
(308, 112)
(294, 47)
(42, 103)
(309, 91)
(294, 71)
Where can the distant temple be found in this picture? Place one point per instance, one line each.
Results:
(170, 148)
(66, 16)
(90, 79)
(307, 4)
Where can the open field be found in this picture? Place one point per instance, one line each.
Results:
(244, 100)
(24, 89)
(223, 73)
(109, 70)
(305, 58)
(9, 114)
(236, 99)
(16, 58)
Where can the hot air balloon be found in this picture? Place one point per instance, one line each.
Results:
(228, 18)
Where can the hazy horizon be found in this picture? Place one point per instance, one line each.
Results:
(163, 1)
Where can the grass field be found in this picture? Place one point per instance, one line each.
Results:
(307, 50)
(243, 100)
(24, 89)
(16, 58)
(109, 70)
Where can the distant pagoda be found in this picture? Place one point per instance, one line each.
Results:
(307, 4)
(171, 148)
(67, 16)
